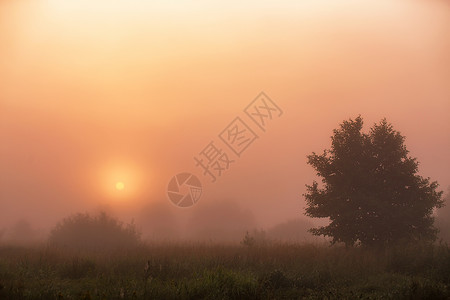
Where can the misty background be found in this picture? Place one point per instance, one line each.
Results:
(138, 90)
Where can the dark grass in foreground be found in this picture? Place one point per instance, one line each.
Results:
(202, 271)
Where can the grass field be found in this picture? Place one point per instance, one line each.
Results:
(210, 271)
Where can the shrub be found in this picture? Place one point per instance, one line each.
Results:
(101, 232)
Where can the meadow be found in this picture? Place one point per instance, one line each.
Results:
(272, 270)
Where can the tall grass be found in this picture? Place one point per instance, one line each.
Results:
(215, 271)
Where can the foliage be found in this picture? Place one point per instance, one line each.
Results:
(101, 232)
(371, 191)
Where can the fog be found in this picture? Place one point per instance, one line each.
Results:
(92, 95)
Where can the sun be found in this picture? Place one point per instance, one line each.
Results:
(120, 186)
(120, 181)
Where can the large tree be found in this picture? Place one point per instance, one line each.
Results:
(371, 191)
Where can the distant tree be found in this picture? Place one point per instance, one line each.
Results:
(290, 230)
(100, 232)
(248, 240)
(371, 191)
(22, 233)
(257, 237)
(159, 222)
(220, 220)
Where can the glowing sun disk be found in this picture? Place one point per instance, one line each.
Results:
(120, 186)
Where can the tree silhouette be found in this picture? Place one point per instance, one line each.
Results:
(371, 191)
(100, 232)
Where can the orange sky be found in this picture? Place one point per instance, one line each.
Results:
(94, 92)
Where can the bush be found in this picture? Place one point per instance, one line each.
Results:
(101, 232)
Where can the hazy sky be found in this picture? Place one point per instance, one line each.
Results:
(98, 92)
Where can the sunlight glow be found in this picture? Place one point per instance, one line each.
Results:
(120, 186)
(118, 180)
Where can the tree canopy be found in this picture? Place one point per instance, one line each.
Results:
(371, 190)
